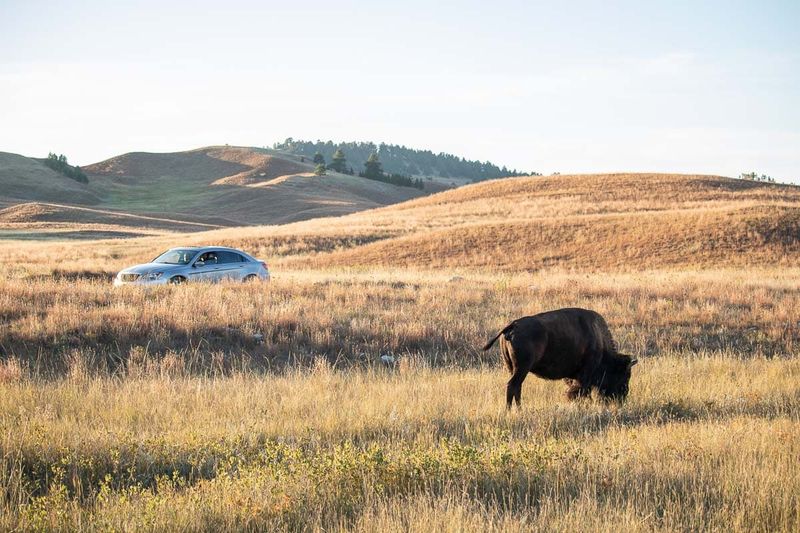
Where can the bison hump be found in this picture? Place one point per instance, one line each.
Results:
(608, 341)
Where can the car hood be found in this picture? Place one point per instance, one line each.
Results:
(152, 267)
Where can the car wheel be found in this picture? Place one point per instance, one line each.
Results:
(250, 278)
(177, 280)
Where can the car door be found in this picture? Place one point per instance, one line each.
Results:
(230, 268)
(205, 267)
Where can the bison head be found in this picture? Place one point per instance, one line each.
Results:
(615, 377)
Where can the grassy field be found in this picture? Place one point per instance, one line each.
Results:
(155, 410)
(267, 406)
(702, 443)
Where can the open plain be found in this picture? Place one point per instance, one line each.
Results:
(268, 406)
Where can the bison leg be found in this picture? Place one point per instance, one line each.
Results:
(576, 390)
(514, 388)
(520, 354)
(581, 387)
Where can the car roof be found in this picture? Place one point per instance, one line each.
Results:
(210, 248)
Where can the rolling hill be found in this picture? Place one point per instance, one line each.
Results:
(584, 223)
(241, 185)
(25, 179)
(593, 222)
(185, 191)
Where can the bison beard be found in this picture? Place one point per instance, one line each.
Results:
(570, 344)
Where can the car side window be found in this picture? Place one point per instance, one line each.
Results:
(209, 258)
(230, 257)
(225, 257)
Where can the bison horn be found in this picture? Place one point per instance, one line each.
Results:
(633, 362)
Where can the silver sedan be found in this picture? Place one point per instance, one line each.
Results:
(192, 263)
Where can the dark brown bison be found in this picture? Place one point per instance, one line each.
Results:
(570, 344)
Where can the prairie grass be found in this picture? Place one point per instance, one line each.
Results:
(708, 443)
(157, 410)
(267, 407)
(54, 326)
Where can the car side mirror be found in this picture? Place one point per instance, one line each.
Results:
(199, 264)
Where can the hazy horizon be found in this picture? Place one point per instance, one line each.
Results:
(707, 87)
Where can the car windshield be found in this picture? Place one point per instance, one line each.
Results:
(176, 257)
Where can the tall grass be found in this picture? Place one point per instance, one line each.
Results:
(268, 407)
(708, 443)
(154, 410)
(57, 326)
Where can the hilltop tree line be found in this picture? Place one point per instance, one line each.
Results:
(59, 164)
(752, 176)
(402, 161)
(373, 170)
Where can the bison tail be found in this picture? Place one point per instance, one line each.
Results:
(504, 330)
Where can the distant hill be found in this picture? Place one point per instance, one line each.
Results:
(401, 160)
(240, 184)
(583, 222)
(216, 186)
(603, 222)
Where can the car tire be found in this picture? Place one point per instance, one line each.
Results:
(177, 280)
(250, 278)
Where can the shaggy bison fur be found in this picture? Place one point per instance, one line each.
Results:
(570, 344)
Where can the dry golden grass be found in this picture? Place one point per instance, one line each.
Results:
(599, 223)
(131, 410)
(162, 410)
(692, 238)
(702, 443)
(353, 318)
(36, 212)
(46, 221)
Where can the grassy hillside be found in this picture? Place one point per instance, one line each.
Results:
(25, 178)
(218, 186)
(598, 222)
(243, 185)
(623, 222)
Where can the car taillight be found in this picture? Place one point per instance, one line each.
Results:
(263, 264)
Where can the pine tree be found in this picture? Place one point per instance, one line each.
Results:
(319, 159)
(320, 170)
(399, 159)
(338, 161)
(59, 164)
(373, 168)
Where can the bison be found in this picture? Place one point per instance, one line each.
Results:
(570, 344)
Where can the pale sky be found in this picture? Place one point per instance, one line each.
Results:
(585, 86)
